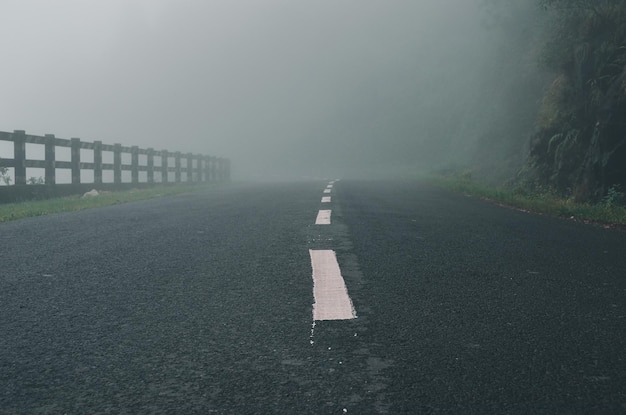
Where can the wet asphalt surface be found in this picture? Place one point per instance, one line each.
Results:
(202, 303)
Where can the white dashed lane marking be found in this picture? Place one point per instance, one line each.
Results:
(327, 190)
(326, 199)
(323, 217)
(332, 301)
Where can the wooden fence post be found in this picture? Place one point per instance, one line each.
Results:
(177, 165)
(207, 168)
(150, 154)
(97, 162)
(164, 166)
(202, 168)
(198, 168)
(50, 149)
(189, 168)
(214, 168)
(117, 164)
(75, 160)
(19, 155)
(134, 169)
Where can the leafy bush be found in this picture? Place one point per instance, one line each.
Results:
(577, 146)
(36, 180)
(4, 176)
(614, 196)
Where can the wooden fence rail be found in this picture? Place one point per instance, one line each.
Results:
(195, 168)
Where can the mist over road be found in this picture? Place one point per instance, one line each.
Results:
(203, 303)
(391, 87)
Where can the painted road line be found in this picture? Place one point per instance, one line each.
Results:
(330, 186)
(327, 190)
(326, 199)
(323, 217)
(332, 301)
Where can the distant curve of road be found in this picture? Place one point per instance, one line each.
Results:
(203, 303)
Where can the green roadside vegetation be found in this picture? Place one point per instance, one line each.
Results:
(20, 210)
(562, 101)
(610, 211)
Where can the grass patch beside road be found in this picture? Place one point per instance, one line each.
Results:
(604, 213)
(19, 210)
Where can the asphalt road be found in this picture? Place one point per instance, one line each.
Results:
(202, 303)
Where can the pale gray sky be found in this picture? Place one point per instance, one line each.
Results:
(279, 86)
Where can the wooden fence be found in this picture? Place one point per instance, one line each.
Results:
(186, 168)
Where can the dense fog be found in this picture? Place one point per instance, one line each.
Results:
(285, 89)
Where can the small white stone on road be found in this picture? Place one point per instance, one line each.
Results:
(91, 193)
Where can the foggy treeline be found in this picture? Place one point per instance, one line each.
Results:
(549, 112)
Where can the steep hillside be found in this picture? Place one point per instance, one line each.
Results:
(578, 148)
